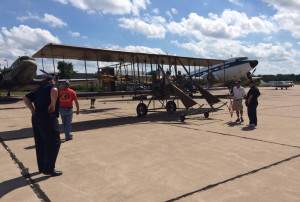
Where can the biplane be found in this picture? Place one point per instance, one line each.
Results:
(159, 86)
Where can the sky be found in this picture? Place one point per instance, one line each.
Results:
(265, 30)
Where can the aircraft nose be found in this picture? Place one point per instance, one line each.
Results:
(253, 63)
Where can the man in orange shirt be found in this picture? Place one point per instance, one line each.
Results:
(66, 96)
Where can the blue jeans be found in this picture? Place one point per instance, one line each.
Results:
(66, 117)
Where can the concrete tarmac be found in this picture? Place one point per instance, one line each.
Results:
(116, 156)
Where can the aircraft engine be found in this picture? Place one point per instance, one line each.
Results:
(249, 76)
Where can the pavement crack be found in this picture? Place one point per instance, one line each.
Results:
(234, 178)
(24, 172)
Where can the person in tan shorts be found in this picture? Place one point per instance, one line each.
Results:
(238, 93)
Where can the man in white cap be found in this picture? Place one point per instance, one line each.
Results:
(66, 97)
(238, 93)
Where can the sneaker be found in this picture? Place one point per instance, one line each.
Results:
(237, 120)
(69, 138)
(251, 125)
(242, 120)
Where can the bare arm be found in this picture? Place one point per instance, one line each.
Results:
(29, 104)
(54, 95)
(77, 106)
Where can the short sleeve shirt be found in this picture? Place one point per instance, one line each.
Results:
(238, 93)
(41, 99)
(66, 97)
(255, 92)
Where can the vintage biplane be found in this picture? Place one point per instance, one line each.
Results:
(159, 87)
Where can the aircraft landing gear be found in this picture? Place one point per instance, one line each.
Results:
(206, 114)
(171, 107)
(141, 110)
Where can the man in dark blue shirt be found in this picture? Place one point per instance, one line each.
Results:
(45, 112)
(251, 103)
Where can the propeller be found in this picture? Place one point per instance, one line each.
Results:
(4, 72)
(249, 75)
(51, 74)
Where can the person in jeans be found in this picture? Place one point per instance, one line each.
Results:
(66, 96)
(45, 112)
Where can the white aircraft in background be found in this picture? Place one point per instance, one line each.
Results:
(232, 70)
(276, 84)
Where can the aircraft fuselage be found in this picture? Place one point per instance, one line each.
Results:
(22, 73)
(233, 69)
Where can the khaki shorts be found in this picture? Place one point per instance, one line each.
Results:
(237, 105)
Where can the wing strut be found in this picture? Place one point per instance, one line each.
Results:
(186, 100)
(210, 99)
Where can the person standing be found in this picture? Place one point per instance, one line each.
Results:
(45, 113)
(252, 103)
(66, 96)
(238, 93)
(92, 89)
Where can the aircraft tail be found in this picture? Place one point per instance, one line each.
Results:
(264, 83)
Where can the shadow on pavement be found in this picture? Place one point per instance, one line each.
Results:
(13, 184)
(94, 124)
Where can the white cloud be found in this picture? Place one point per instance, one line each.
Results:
(236, 2)
(62, 1)
(169, 14)
(74, 34)
(115, 7)
(23, 39)
(288, 45)
(174, 11)
(139, 4)
(268, 38)
(51, 20)
(230, 24)
(155, 11)
(288, 16)
(144, 49)
(150, 27)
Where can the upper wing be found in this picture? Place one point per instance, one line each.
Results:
(60, 51)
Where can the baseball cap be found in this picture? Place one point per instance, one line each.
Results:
(238, 81)
(47, 78)
(67, 82)
(251, 81)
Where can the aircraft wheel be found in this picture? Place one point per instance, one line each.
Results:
(171, 106)
(206, 114)
(141, 110)
(182, 117)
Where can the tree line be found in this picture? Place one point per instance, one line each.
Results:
(281, 77)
